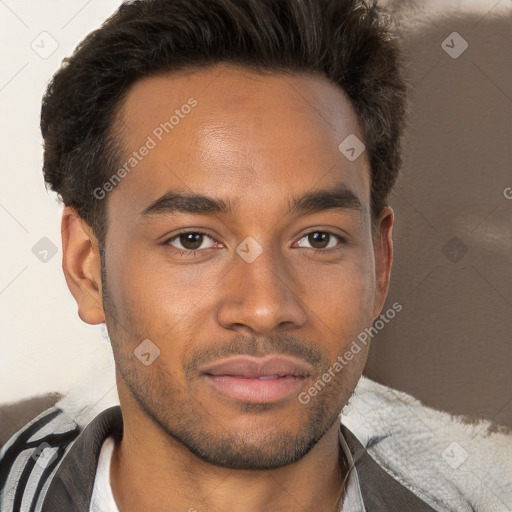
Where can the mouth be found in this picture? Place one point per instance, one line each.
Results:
(253, 380)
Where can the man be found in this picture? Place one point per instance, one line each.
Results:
(225, 167)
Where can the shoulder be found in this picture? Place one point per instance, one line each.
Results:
(30, 457)
(441, 458)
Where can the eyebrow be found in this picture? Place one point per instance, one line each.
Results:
(174, 201)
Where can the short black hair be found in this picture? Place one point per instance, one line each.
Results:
(351, 42)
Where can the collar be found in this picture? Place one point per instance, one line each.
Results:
(353, 500)
(369, 488)
(71, 487)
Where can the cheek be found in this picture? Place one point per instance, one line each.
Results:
(342, 297)
(156, 297)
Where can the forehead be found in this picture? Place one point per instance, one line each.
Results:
(233, 133)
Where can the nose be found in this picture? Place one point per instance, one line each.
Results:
(261, 296)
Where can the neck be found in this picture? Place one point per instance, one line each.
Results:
(152, 471)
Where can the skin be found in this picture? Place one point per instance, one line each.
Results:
(258, 141)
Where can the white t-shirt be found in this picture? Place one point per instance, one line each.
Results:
(103, 500)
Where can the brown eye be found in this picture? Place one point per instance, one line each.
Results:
(191, 241)
(321, 240)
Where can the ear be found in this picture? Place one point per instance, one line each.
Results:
(383, 249)
(82, 267)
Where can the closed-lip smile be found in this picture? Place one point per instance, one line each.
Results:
(257, 380)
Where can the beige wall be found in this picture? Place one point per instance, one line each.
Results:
(451, 345)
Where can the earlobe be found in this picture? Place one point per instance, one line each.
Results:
(383, 247)
(82, 266)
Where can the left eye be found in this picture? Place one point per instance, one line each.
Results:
(320, 240)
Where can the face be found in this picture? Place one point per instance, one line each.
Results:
(249, 294)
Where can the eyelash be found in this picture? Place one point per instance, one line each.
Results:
(195, 252)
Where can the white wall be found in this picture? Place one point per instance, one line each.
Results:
(43, 344)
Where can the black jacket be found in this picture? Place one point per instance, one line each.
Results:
(66, 483)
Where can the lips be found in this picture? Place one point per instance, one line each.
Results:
(254, 380)
(268, 368)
